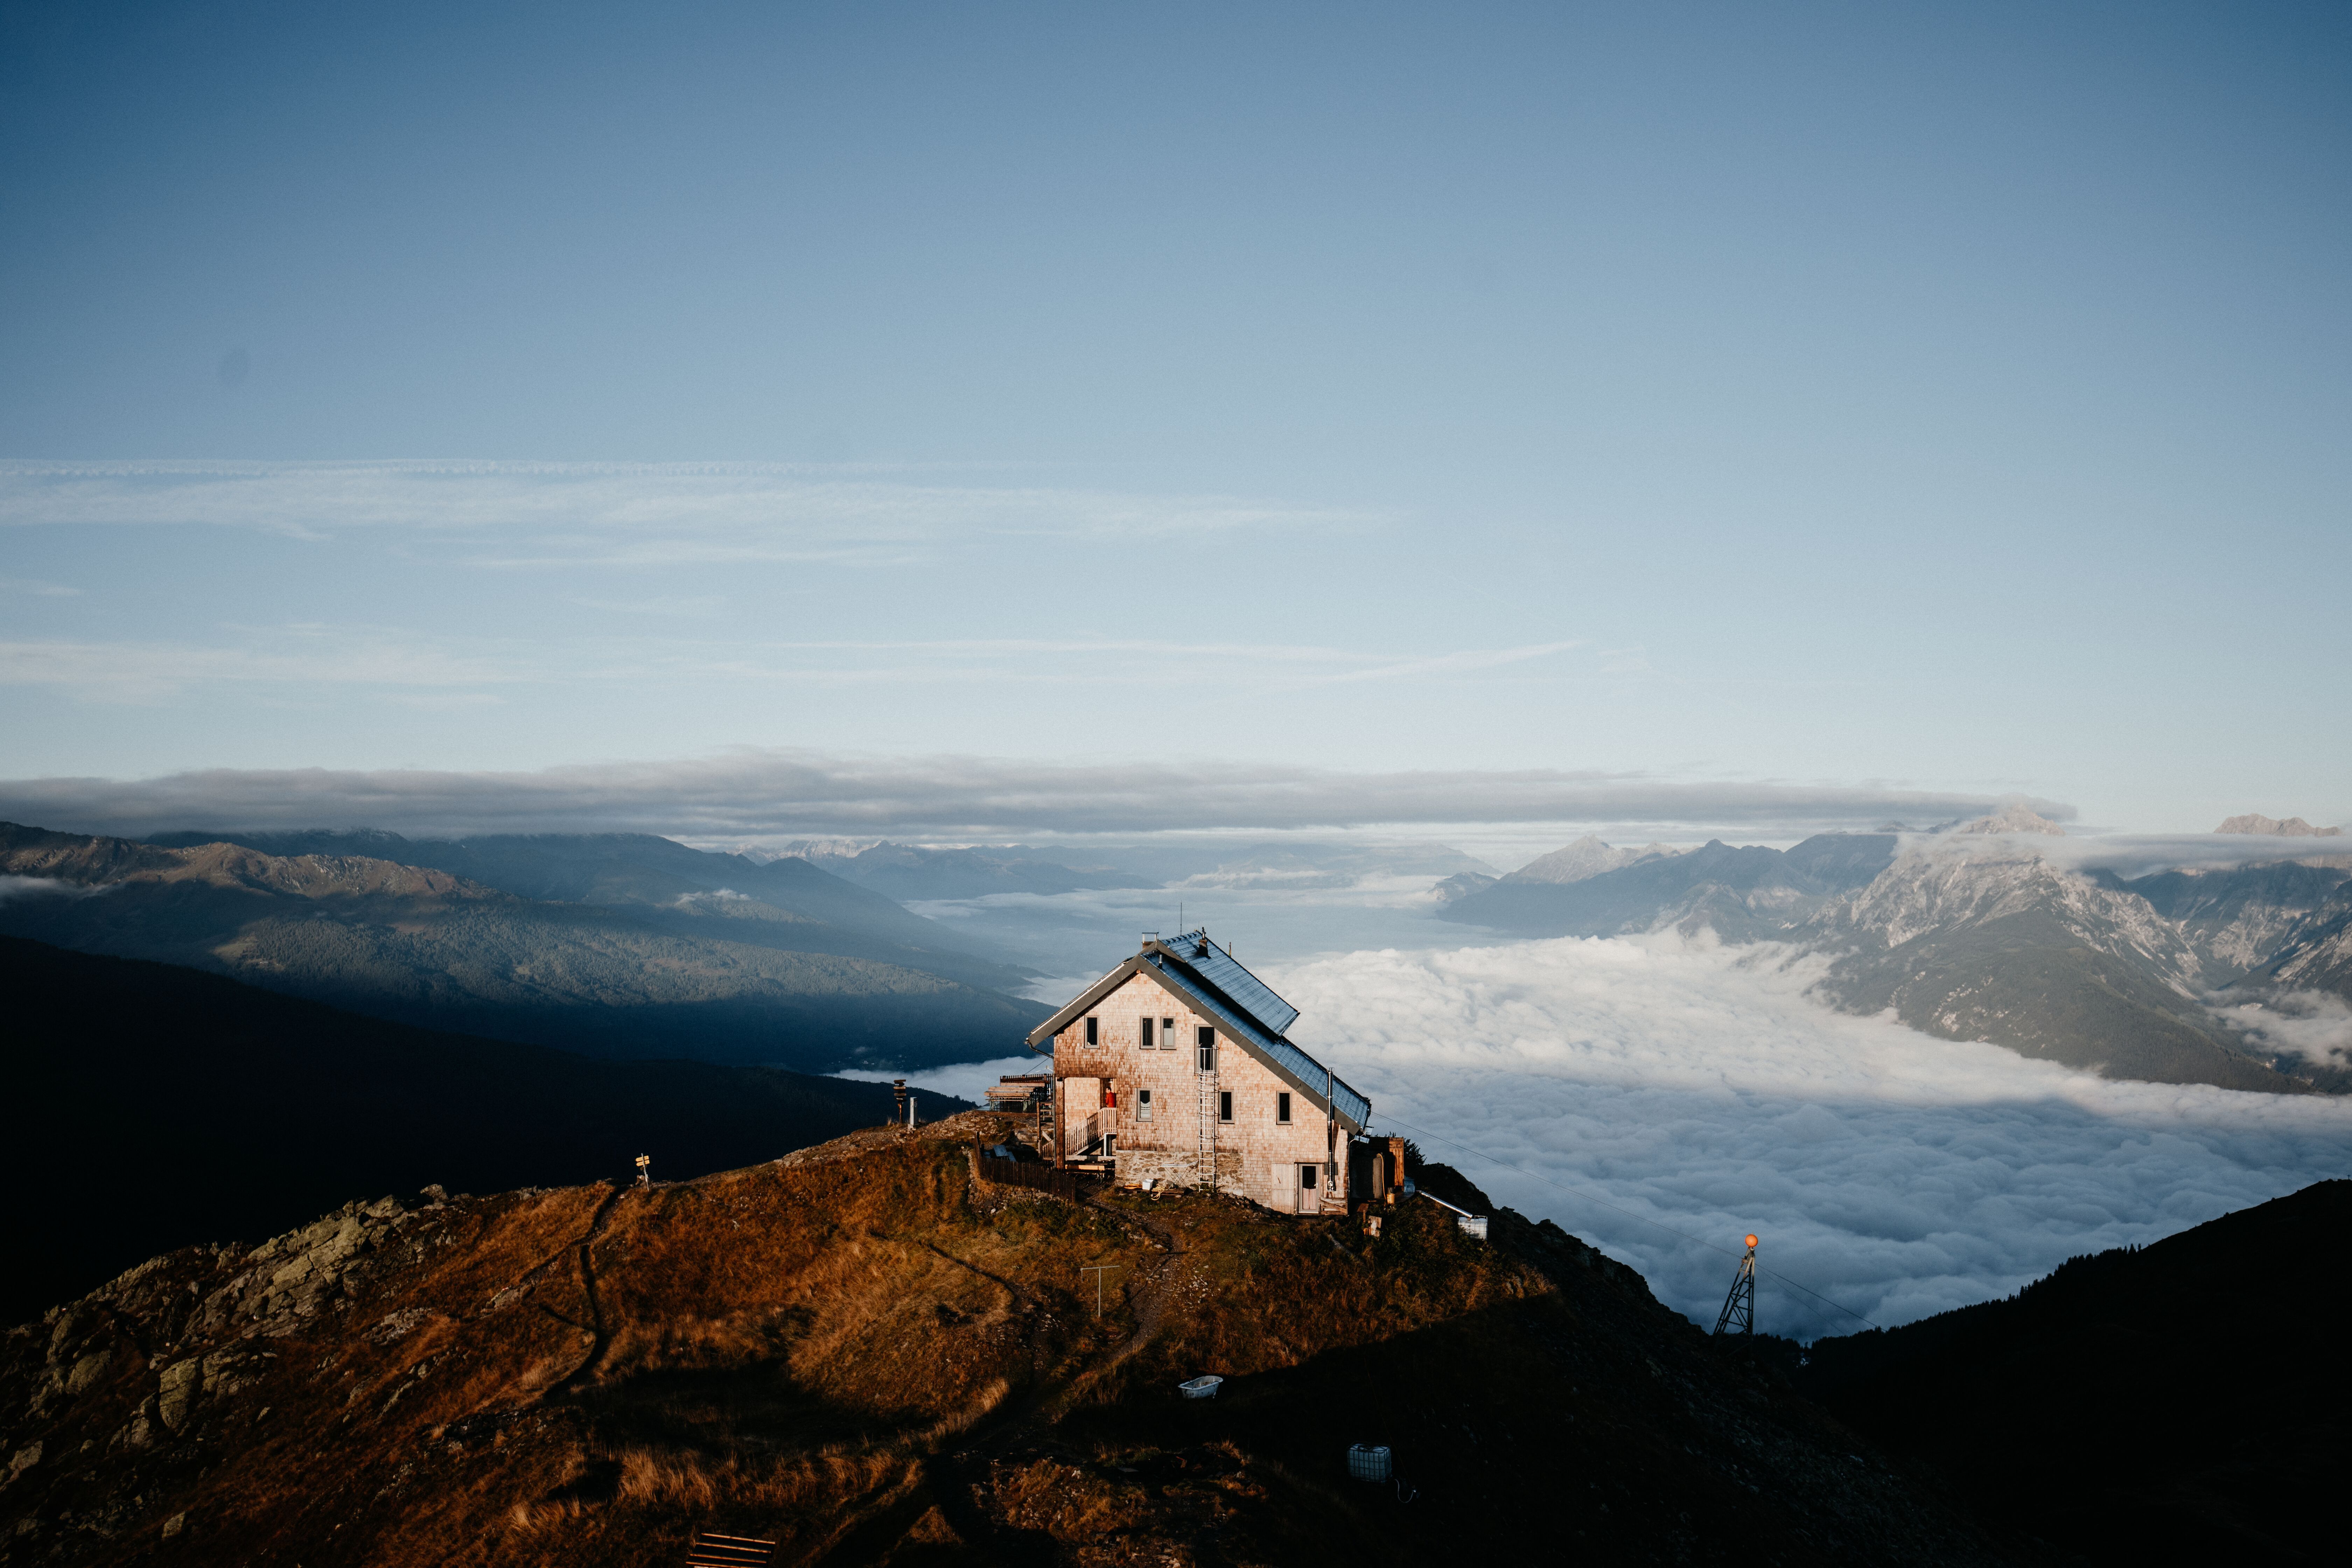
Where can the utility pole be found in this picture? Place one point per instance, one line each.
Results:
(1098, 1270)
(1332, 1172)
(1739, 1307)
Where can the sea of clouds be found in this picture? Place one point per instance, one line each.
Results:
(1645, 1090)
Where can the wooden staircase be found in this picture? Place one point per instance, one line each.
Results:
(711, 1550)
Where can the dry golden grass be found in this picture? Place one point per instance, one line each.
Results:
(847, 1354)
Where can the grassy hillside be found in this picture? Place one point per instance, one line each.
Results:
(424, 946)
(2182, 1401)
(153, 1107)
(864, 1354)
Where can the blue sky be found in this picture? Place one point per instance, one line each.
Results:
(1864, 399)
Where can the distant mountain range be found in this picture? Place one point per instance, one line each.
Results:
(614, 945)
(1975, 935)
(156, 1106)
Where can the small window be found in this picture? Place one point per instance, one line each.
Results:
(1224, 1105)
(1167, 1034)
(1143, 1099)
(1282, 1108)
(1146, 1034)
(1094, 1031)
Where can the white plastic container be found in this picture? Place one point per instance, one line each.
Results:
(1201, 1388)
(1472, 1225)
(1367, 1463)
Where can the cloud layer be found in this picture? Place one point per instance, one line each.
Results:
(746, 795)
(1696, 1086)
(520, 514)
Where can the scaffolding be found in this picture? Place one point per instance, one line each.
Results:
(1738, 1316)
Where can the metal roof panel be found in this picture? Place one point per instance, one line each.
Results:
(1301, 1068)
(1223, 971)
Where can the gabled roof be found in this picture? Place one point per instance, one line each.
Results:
(1211, 983)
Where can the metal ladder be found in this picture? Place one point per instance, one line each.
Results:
(1208, 1124)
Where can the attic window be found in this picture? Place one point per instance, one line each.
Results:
(1094, 1031)
(1167, 1034)
(1146, 1034)
(1282, 1108)
(1224, 1105)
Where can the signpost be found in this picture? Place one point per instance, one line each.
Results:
(1098, 1270)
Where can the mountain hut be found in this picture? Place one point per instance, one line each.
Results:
(1173, 1068)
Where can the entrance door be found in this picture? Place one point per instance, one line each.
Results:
(1310, 1196)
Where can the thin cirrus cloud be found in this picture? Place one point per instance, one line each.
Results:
(127, 671)
(344, 655)
(752, 795)
(520, 515)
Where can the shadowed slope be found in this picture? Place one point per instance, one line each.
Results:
(156, 1106)
(2180, 1398)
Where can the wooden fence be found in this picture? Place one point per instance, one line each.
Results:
(714, 1551)
(1037, 1177)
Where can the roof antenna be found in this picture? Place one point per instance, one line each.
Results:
(1739, 1307)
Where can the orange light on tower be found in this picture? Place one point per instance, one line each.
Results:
(1751, 1241)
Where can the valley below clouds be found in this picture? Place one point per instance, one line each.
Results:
(1698, 1087)
(1661, 1095)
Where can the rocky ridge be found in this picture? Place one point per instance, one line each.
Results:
(2292, 828)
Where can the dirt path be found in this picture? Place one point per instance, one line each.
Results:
(600, 1335)
(955, 1477)
(1150, 1289)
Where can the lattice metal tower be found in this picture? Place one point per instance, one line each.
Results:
(1739, 1307)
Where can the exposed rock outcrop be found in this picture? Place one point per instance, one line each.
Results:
(2292, 828)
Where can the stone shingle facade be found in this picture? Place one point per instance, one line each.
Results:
(1165, 1079)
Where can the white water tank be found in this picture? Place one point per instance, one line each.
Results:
(1367, 1463)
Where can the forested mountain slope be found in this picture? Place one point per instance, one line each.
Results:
(426, 947)
(786, 903)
